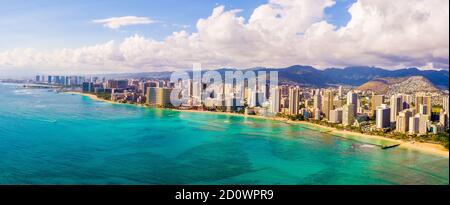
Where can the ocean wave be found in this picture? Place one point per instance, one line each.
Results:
(367, 146)
(22, 92)
(47, 120)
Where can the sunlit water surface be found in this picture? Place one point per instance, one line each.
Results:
(50, 138)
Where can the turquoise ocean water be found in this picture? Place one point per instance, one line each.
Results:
(50, 138)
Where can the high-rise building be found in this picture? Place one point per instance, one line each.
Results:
(163, 97)
(73, 80)
(38, 78)
(414, 124)
(336, 116)
(376, 101)
(122, 84)
(294, 101)
(88, 87)
(443, 118)
(423, 124)
(407, 100)
(445, 107)
(445, 104)
(423, 109)
(111, 84)
(56, 80)
(402, 122)
(151, 96)
(253, 98)
(352, 99)
(327, 103)
(260, 99)
(317, 113)
(143, 87)
(383, 113)
(275, 99)
(49, 79)
(81, 79)
(348, 116)
(197, 93)
(340, 91)
(159, 96)
(317, 101)
(93, 79)
(396, 106)
(189, 87)
(62, 80)
(423, 100)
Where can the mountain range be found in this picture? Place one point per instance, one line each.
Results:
(310, 76)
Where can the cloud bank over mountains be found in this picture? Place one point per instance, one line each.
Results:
(280, 33)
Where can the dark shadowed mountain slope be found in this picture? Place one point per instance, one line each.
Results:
(306, 75)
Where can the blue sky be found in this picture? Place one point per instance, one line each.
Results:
(49, 24)
(95, 36)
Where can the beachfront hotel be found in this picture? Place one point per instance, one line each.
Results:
(383, 116)
(293, 101)
(402, 121)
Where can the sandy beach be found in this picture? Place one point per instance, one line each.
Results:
(418, 146)
(91, 96)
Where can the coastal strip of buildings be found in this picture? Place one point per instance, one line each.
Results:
(406, 113)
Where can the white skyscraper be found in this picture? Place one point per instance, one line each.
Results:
(396, 107)
(252, 98)
(383, 116)
(352, 98)
(423, 124)
(414, 124)
(336, 116)
(402, 122)
(196, 93)
(275, 99)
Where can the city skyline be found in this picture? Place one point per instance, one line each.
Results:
(419, 112)
(50, 37)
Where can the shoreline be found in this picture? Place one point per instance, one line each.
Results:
(91, 96)
(430, 148)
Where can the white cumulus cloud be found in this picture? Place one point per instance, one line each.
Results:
(384, 33)
(117, 22)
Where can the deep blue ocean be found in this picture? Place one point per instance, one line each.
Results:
(51, 138)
